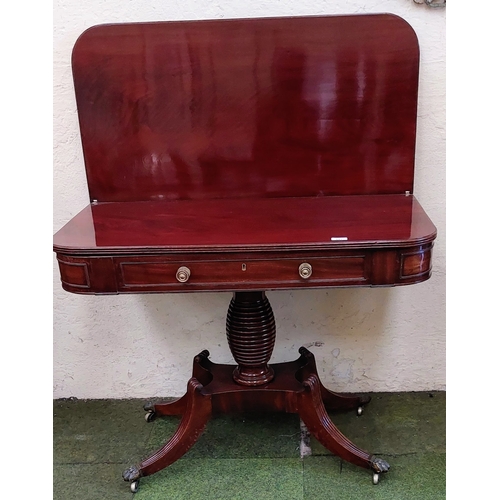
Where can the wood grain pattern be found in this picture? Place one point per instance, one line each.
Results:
(267, 271)
(296, 388)
(252, 143)
(246, 225)
(234, 244)
(233, 155)
(252, 108)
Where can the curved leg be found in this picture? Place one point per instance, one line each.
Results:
(313, 414)
(198, 411)
(333, 401)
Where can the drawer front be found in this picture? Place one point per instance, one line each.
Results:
(74, 274)
(156, 273)
(231, 272)
(87, 275)
(416, 263)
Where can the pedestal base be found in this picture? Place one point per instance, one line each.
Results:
(295, 388)
(254, 385)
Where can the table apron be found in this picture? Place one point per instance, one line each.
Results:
(245, 271)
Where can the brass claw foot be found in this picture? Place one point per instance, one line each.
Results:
(378, 466)
(131, 474)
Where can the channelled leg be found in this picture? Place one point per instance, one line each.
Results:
(313, 413)
(197, 413)
(253, 383)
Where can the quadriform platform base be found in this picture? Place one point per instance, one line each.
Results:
(253, 385)
(248, 155)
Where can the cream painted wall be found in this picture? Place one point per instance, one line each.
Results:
(142, 345)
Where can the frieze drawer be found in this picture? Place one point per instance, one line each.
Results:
(167, 273)
(156, 273)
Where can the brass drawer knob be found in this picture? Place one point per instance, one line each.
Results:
(305, 270)
(183, 274)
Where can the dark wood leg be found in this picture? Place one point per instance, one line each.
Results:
(197, 413)
(254, 385)
(334, 401)
(313, 413)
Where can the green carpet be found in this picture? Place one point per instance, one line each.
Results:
(253, 456)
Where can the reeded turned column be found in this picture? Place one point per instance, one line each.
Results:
(251, 333)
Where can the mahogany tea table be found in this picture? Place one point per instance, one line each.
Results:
(248, 155)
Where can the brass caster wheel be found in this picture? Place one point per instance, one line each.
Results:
(134, 486)
(375, 478)
(150, 416)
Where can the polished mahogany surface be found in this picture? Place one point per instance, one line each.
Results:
(240, 154)
(327, 223)
(246, 244)
(251, 108)
(248, 155)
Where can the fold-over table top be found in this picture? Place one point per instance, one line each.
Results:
(293, 107)
(247, 225)
(244, 148)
